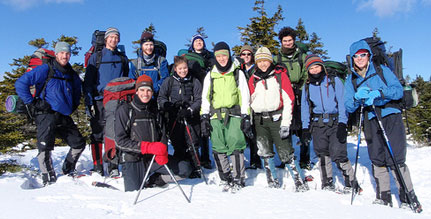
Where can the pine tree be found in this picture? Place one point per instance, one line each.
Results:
(151, 28)
(260, 31)
(419, 117)
(200, 31)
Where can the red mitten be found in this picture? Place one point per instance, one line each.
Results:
(161, 159)
(156, 148)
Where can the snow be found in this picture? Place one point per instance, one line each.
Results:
(22, 197)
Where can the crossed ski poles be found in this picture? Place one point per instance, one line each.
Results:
(170, 173)
(195, 153)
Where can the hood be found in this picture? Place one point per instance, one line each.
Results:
(356, 46)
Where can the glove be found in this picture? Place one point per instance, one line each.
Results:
(246, 126)
(184, 113)
(178, 104)
(90, 111)
(362, 93)
(168, 106)
(371, 97)
(342, 132)
(306, 135)
(186, 105)
(284, 132)
(156, 148)
(205, 125)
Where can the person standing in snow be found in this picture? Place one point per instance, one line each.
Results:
(112, 64)
(324, 117)
(225, 116)
(272, 103)
(53, 104)
(140, 135)
(180, 96)
(365, 87)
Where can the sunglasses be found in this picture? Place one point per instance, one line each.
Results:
(362, 55)
(245, 54)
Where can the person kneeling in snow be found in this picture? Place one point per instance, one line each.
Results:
(139, 136)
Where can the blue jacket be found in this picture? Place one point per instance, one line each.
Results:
(158, 70)
(96, 79)
(62, 95)
(326, 100)
(392, 91)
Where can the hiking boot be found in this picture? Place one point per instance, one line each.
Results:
(98, 169)
(404, 205)
(48, 178)
(195, 174)
(226, 185)
(156, 181)
(274, 184)
(68, 167)
(328, 187)
(114, 174)
(382, 202)
(305, 166)
(235, 187)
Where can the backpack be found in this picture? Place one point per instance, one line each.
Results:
(117, 92)
(303, 49)
(41, 56)
(98, 43)
(139, 63)
(394, 63)
(160, 48)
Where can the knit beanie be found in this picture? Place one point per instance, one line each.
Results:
(263, 53)
(61, 47)
(110, 31)
(195, 37)
(246, 48)
(311, 60)
(144, 81)
(147, 37)
(221, 48)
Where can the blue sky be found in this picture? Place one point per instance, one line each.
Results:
(402, 23)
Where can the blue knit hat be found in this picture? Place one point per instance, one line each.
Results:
(195, 37)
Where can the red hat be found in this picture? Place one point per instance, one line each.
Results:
(362, 51)
(144, 80)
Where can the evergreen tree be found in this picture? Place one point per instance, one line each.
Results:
(200, 31)
(260, 31)
(151, 28)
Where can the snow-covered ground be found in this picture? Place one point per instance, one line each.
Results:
(21, 197)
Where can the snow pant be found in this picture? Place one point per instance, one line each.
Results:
(134, 172)
(227, 139)
(268, 134)
(252, 144)
(48, 126)
(381, 158)
(180, 139)
(97, 124)
(328, 148)
(224, 170)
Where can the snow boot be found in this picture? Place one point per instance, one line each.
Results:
(415, 206)
(296, 173)
(72, 157)
(154, 181)
(383, 198)
(328, 184)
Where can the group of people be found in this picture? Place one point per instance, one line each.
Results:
(256, 99)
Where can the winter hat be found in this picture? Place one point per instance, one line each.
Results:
(311, 60)
(221, 48)
(195, 37)
(147, 37)
(62, 47)
(110, 31)
(263, 53)
(144, 81)
(246, 48)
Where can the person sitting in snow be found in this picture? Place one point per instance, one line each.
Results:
(140, 135)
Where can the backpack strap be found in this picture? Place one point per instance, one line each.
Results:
(51, 73)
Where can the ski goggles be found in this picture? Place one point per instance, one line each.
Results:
(362, 55)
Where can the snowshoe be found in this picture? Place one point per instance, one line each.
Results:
(382, 202)
(225, 186)
(274, 184)
(114, 174)
(235, 188)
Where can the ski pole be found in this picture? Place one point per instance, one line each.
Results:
(195, 153)
(397, 169)
(176, 182)
(361, 116)
(145, 178)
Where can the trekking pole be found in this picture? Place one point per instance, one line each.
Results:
(361, 116)
(176, 182)
(145, 178)
(397, 169)
(195, 153)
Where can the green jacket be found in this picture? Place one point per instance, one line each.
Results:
(297, 75)
(226, 92)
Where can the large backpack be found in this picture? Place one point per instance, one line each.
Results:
(117, 92)
(160, 48)
(41, 56)
(97, 44)
(394, 63)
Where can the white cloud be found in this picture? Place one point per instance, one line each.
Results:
(384, 8)
(26, 4)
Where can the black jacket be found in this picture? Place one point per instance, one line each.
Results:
(136, 122)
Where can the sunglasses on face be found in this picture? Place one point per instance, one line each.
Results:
(362, 55)
(245, 54)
